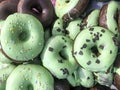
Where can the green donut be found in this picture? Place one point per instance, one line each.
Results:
(73, 28)
(57, 56)
(30, 77)
(58, 27)
(64, 6)
(108, 16)
(5, 71)
(106, 44)
(91, 20)
(104, 78)
(22, 38)
(82, 77)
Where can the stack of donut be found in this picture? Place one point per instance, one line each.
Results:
(59, 45)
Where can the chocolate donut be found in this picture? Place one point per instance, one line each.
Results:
(7, 7)
(41, 9)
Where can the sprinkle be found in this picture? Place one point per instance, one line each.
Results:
(50, 49)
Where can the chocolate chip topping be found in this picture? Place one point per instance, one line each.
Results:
(89, 62)
(81, 53)
(60, 61)
(65, 71)
(101, 47)
(50, 49)
(97, 61)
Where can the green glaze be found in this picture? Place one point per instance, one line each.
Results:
(5, 71)
(62, 7)
(30, 77)
(74, 28)
(58, 28)
(81, 77)
(112, 25)
(57, 56)
(92, 19)
(103, 40)
(4, 59)
(22, 38)
(104, 78)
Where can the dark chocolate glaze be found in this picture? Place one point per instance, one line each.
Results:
(76, 11)
(8, 7)
(43, 10)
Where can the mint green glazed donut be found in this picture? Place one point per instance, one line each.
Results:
(73, 28)
(62, 7)
(57, 56)
(81, 77)
(105, 42)
(30, 77)
(91, 20)
(5, 71)
(22, 37)
(58, 27)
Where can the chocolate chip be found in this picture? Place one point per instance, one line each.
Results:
(88, 77)
(65, 71)
(115, 41)
(58, 29)
(116, 29)
(91, 29)
(81, 53)
(87, 40)
(103, 31)
(60, 61)
(89, 62)
(97, 61)
(100, 35)
(64, 46)
(50, 49)
(84, 45)
(110, 51)
(101, 47)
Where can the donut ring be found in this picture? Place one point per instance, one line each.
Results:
(69, 9)
(58, 53)
(95, 37)
(73, 28)
(81, 77)
(8, 7)
(43, 10)
(90, 20)
(30, 77)
(22, 38)
(108, 17)
(5, 71)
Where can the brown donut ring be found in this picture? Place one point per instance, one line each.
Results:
(103, 16)
(7, 7)
(76, 11)
(41, 9)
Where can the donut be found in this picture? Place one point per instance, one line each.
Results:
(95, 37)
(5, 71)
(43, 10)
(108, 17)
(30, 77)
(7, 7)
(81, 77)
(104, 78)
(69, 10)
(22, 38)
(57, 56)
(73, 28)
(58, 28)
(90, 20)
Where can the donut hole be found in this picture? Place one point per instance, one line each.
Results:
(23, 36)
(67, 1)
(36, 10)
(30, 87)
(62, 54)
(95, 51)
